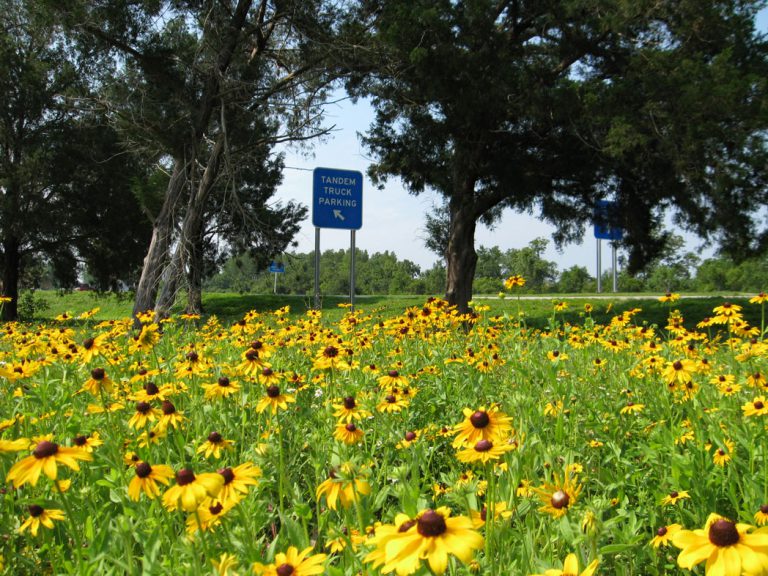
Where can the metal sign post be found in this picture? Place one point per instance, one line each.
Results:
(605, 217)
(337, 202)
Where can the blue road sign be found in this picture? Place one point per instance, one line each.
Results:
(603, 229)
(337, 199)
(277, 268)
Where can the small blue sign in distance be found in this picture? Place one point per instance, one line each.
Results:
(603, 230)
(277, 268)
(337, 199)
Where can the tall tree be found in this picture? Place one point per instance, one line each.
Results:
(549, 106)
(206, 87)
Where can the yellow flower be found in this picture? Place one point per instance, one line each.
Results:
(191, 489)
(514, 281)
(348, 433)
(669, 297)
(225, 565)
(344, 486)
(679, 371)
(761, 516)
(98, 382)
(484, 451)
(146, 480)
(223, 388)
(664, 535)
(726, 546)
(432, 537)
(294, 563)
(482, 424)
(236, 482)
(213, 445)
(761, 298)
(632, 408)
(558, 496)
(45, 458)
(756, 407)
(674, 497)
(571, 568)
(40, 516)
(274, 400)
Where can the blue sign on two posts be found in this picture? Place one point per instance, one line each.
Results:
(605, 212)
(277, 267)
(337, 199)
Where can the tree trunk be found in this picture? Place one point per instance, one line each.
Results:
(12, 261)
(192, 228)
(162, 230)
(170, 286)
(460, 256)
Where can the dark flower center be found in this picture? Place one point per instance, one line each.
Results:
(252, 355)
(35, 510)
(98, 373)
(216, 508)
(483, 446)
(143, 469)
(480, 419)
(143, 407)
(192, 356)
(758, 405)
(349, 403)
(331, 352)
(184, 477)
(677, 365)
(393, 373)
(151, 388)
(674, 494)
(351, 427)
(228, 475)
(168, 408)
(143, 372)
(223, 381)
(80, 440)
(723, 533)
(407, 525)
(559, 500)
(431, 524)
(45, 449)
(88, 343)
(267, 372)
(410, 436)
(764, 508)
(390, 399)
(661, 531)
(284, 570)
(273, 391)
(256, 344)
(555, 353)
(214, 438)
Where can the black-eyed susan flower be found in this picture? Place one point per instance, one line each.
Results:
(39, 516)
(170, 416)
(393, 379)
(214, 445)
(98, 383)
(91, 347)
(500, 512)
(558, 496)
(348, 433)
(146, 340)
(144, 415)
(237, 481)
(329, 357)
(269, 377)
(392, 403)
(225, 565)
(484, 451)
(482, 424)
(344, 486)
(349, 410)
(571, 568)
(632, 408)
(728, 548)
(45, 458)
(87, 442)
(146, 479)
(152, 392)
(433, 537)
(757, 407)
(293, 563)
(191, 489)
(761, 516)
(514, 281)
(679, 372)
(208, 515)
(669, 297)
(664, 534)
(724, 453)
(222, 388)
(674, 497)
(274, 400)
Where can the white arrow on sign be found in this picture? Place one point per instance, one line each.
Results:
(338, 214)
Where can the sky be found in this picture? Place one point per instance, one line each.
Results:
(393, 219)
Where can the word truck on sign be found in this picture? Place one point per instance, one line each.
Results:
(337, 199)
